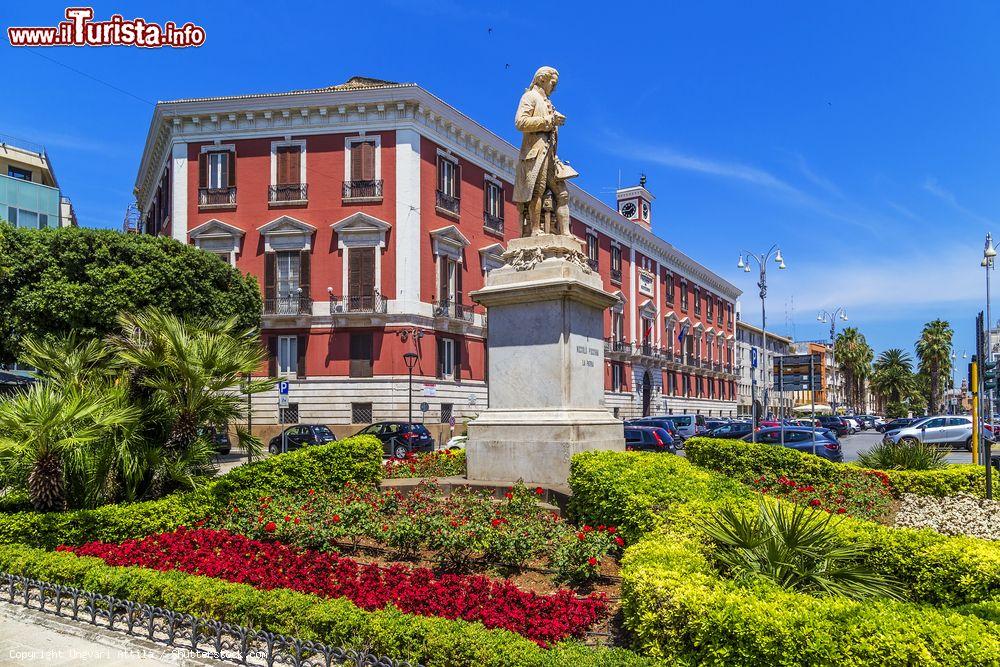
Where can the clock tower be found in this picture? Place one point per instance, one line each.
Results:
(635, 203)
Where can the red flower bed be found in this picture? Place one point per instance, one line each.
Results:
(223, 555)
(867, 496)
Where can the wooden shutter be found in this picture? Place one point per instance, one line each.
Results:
(458, 283)
(231, 167)
(203, 170)
(356, 160)
(458, 180)
(443, 279)
(457, 361)
(440, 358)
(304, 273)
(367, 160)
(361, 355)
(272, 356)
(360, 272)
(300, 348)
(270, 276)
(282, 158)
(294, 164)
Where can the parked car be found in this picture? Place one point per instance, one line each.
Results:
(218, 436)
(688, 426)
(835, 424)
(648, 439)
(941, 430)
(801, 439)
(712, 424)
(456, 442)
(894, 424)
(400, 438)
(301, 435)
(852, 424)
(807, 423)
(659, 422)
(731, 431)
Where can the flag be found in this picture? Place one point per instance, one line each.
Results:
(680, 336)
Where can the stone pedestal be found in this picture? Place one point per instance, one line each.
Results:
(546, 365)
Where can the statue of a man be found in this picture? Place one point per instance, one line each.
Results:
(538, 168)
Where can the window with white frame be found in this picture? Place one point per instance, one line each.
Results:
(447, 173)
(447, 358)
(494, 199)
(218, 169)
(593, 250)
(288, 355)
(617, 378)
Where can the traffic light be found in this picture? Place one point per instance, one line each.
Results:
(989, 372)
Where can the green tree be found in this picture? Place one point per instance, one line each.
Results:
(892, 378)
(56, 281)
(854, 358)
(934, 353)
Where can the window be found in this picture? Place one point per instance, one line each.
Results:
(363, 160)
(616, 264)
(718, 310)
(617, 378)
(288, 355)
(670, 288)
(709, 302)
(218, 170)
(289, 165)
(19, 173)
(288, 267)
(361, 279)
(361, 355)
(617, 325)
(217, 178)
(448, 185)
(289, 415)
(449, 361)
(593, 250)
(447, 409)
(288, 181)
(493, 206)
(684, 296)
(449, 281)
(697, 301)
(286, 283)
(361, 413)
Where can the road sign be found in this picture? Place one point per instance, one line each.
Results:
(425, 406)
(451, 421)
(283, 388)
(282, 400)
(430, 389)
(753, 357)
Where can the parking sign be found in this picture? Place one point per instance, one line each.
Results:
(283, 388)
(753, 357)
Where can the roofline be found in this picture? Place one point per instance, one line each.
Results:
(752, 327)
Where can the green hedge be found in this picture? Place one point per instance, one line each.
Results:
(434, 642)
(357, 459)
(675, 604)
(744, 461)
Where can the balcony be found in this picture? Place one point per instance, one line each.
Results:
(363, 191)
(616, 346)
(288, 305)
(647, 349)
(492, 223)
(289, 193)
(446, 203)
(454, 311)
(616, 276)
(592, 263)
(33, 200)
(217, 197)
(373, 303)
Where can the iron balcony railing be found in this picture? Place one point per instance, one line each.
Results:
(287, 192)
(369, 189)
(447, 202)
(492, 222)
(592, 263)
(455, 311)
(359, 303)
(288, 305)
(217, 196)
(616, 275)
(647, 349)
(614, 345)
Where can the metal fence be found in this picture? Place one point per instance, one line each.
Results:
(223, 641)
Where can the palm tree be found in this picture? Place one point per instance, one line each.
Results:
(45, 430)
(68, 362)
(934, 353)
(892, 376)
(854, 357)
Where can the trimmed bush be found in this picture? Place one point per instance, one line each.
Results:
(434, 642)
(357, 459)
(746, 461)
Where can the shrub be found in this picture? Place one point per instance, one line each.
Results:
(866, 496)
(326, 466)
(888, 455)
(494, 603)
(434, 642)
(444, 463)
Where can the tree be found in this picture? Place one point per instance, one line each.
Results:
(892, 379)
(54, 281)
(854, 357)
(934, 353)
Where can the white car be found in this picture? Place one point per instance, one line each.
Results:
(457, 442)
(940, 430)
(853, 424)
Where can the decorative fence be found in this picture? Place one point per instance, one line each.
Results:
(223, 641)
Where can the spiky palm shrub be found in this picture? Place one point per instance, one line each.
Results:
(902, 455)
(796, 548)
(46, 430)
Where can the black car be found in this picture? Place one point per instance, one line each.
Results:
(300, 435)
(901, 422)
(658, 422)
(219, 437)
(712, 424)
(648, 439)
(400, 438)
(836, 424)
(801, 439)
(731, 431)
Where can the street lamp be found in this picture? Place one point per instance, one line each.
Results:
(744, 263)
(410, 359)
(989, 253)
(824, 317)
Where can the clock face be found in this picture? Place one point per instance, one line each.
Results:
(645, 211)
(628, 209)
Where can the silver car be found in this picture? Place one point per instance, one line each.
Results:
(942, 430)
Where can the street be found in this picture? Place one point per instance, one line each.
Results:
(853, 445)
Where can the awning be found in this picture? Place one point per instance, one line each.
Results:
(820, 408)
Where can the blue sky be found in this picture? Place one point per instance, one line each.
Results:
(862, 137)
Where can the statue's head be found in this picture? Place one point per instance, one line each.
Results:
(546, 78)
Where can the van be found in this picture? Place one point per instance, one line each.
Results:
(689, 425)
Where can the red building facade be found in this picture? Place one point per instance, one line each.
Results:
(369, 211)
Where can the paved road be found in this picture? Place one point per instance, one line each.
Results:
(863, 441)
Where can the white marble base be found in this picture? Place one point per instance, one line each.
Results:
(546, 365)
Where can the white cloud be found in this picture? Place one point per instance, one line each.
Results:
(932, 186)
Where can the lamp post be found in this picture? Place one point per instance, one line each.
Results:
(410, 359)
(744, 263)
(989, 253)
(826, 316)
